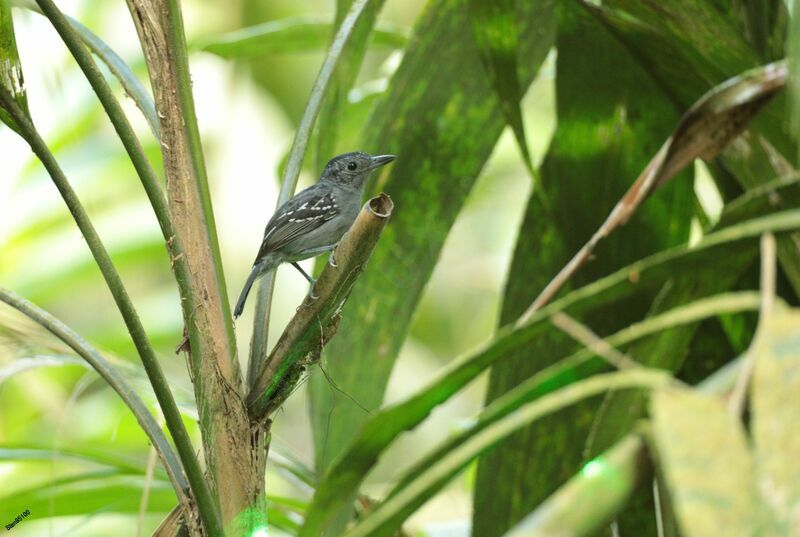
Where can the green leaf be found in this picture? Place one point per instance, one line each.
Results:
(702, 452)
(443, 124)
(343, 479)
(296, 34)
(389, 515)
(494, 23)
(612, 120)
(775, 417)
(10, 67)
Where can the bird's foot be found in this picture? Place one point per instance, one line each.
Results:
(311, 289)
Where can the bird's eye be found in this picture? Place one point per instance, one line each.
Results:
(351, 166)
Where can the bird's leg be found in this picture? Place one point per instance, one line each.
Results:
(311, 280)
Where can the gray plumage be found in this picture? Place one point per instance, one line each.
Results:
(314, 220)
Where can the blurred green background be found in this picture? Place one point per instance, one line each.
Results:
(248, 110)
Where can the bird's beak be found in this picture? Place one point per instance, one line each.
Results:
(381, 160)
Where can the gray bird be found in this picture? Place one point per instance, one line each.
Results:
(314, 220)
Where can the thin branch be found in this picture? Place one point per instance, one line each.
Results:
(737, 399)
(258, 343)
(125, 306)
(703, 131)
(317, 317)
(585, 336)
(147, 175)
(129, 82)
(114, 379)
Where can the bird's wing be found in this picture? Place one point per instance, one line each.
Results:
(296, 219)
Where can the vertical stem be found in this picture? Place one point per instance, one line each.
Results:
(233, 448)
(177, 40)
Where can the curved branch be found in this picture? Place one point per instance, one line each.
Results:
(161, 388)
(317, 317)
(104, 368)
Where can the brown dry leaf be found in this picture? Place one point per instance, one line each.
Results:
(703, 132)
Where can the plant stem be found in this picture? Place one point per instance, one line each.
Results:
(134, 149)
(177, 40)
(133, 88)
(85, 350)
(233, 447)
(205, 504)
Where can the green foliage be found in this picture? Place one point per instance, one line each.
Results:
(563, 444)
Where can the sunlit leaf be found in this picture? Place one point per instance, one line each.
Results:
(33, 452)
(11, 79)
(775, 422)
(90, 494)
(129, 81)
(702, 452)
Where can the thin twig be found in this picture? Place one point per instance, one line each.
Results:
(736, 402)
(585, 336)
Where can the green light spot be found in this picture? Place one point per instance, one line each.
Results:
(592, 468)
(260, 532)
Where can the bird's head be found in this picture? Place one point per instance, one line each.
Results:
(353, 168)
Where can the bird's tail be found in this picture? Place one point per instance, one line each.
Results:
(259, 269)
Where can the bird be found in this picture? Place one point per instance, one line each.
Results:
(314, 220)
